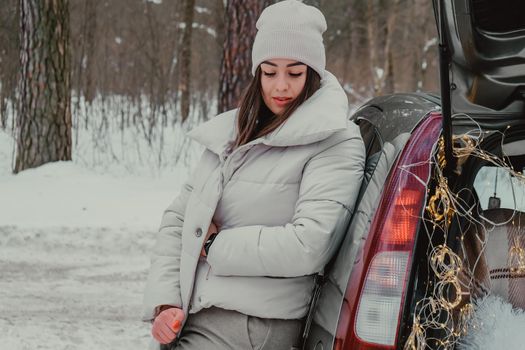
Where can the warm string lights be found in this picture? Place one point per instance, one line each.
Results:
(465, 315)
(444, 262)
(516, 260)
(433, 322)
(444, 315)
(439, 205)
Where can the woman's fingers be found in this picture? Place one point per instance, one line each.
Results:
(164, 335)
(161, 336)
(178, 314)
(167, 324)
(176, 326)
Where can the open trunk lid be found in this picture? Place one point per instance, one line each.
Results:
(482, 64)
(485, 45)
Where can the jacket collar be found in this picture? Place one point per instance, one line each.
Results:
(324, 113)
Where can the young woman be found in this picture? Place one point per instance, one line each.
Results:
(268, 203)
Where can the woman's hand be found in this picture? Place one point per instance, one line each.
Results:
(167, 325)
(211, 229)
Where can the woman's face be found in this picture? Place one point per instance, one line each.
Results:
(282, 80)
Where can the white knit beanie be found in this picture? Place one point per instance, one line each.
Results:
(290, 29)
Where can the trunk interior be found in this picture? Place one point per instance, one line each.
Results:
(486, 236)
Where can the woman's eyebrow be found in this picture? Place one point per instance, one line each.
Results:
(296, 64)
(270, 63)
(288, 65)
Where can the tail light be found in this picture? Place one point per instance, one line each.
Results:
(373, 303)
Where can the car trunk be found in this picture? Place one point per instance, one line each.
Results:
(497, 197)
(482, 53)
(492, 210)
(482, 64)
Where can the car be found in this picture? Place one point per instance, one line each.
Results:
(441, 172)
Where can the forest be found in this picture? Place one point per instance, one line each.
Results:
(148, 70)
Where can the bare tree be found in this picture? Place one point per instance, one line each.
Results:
(133, 49)
(372, 42)
(380, 38)
(241, 16)
(388, 66)
(219, 20)
(185, 55)
(9, 65)
(44, 118)
(89, 27)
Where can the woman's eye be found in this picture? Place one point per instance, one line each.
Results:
(269, 74)
(296, 75)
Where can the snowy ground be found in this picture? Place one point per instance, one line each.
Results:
(74, 254)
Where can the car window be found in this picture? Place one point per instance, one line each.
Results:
(497, 189)
(370, 136)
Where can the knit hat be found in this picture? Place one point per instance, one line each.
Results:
(293, 30)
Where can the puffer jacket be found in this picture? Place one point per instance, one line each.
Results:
(281, 204)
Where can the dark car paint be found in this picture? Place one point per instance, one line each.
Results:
(486, 68)
(382, 119)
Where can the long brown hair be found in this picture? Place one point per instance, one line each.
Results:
(256, 120)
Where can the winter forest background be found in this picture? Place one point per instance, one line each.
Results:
(93, 146)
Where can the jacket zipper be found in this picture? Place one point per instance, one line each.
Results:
(228, 158)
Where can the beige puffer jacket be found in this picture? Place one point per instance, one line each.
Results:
(281, 203)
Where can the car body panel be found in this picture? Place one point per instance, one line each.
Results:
(386, 124)
(483, 54)
(486, 60)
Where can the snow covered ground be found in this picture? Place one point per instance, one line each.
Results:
(74, 247)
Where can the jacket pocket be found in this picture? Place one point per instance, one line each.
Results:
(258, 330)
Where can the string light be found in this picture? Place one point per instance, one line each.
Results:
(445, 310)
(445, 263)
(516, 259)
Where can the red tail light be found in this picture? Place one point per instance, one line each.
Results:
(373, 303)
(407, 206)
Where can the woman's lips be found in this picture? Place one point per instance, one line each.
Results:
(281, 101)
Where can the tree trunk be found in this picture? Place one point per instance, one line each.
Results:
(241, 16)
(372, 44)
(184, 84)
(44, 116)
(89, 34)
(387, 83)
(219, 21)
(383, 74)
(3, 111)
(9, 66)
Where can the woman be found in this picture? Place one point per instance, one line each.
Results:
(268, 203)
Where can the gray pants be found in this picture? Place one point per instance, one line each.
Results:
(219, 329)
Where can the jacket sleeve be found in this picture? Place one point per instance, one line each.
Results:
(163, 284)
(327, 195)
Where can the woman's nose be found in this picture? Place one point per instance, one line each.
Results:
(281, 84)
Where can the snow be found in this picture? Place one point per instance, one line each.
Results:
(75, 237)
(496, 324)
(68, 195)
(430, 43)
(201, 9)
(379, 72)
(77, 288)
(201, 26)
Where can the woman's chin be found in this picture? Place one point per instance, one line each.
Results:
(277, 110)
